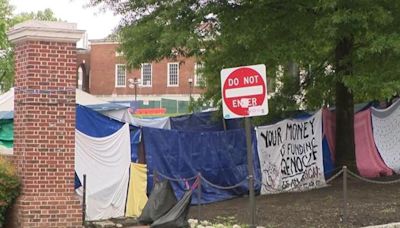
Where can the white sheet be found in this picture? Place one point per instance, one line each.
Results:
(386, 129)
(105, 161)
(290, 154)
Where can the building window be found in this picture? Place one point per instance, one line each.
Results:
(119, 53)
(198, 75)
(146, 74)
(80, 78)
(173, 74)
(120, 75)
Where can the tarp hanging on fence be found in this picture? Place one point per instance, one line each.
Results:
(203, 121)
(386, 130)
(137, 197)
(369, 163)
(219, 156)
(105, 161)
(6, 136)
(95, 124)
(290, 154)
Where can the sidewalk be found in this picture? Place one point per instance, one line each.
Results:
(390, 225)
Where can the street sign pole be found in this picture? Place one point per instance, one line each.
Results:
(250, 171)
(244, 94)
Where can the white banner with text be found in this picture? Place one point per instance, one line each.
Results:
(290, 154)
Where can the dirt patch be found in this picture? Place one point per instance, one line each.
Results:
(368, 204)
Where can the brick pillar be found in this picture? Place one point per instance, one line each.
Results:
(44, 123)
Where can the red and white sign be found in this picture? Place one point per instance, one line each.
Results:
(244, 91)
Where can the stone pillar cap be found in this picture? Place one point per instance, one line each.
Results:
(45, 31)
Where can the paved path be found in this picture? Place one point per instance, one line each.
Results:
(390, 225)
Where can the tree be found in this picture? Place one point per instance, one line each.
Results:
(6, 65)
(348, 50)
(45, 15)
(6, 52)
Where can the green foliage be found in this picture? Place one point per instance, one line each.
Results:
(9, 187)
(272, 32)
(45, 15)
(6, 53)
(6, 57)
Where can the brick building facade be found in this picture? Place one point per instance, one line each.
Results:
(104, 73)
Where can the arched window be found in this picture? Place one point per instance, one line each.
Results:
(80, 77)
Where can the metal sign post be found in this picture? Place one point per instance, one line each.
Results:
(244, 94)
(250, 171)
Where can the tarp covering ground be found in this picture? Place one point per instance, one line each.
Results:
(219, 156)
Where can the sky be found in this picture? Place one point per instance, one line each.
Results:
(97, 23)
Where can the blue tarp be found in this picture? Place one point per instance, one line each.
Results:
(327, 160)
(95, 124)
(203, 121)
(219, 156)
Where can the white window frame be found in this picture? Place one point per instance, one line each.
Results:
(151, 75)
(116, 76)
(168, 72)
(196, 73)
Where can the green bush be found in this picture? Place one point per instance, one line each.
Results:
(9, 187)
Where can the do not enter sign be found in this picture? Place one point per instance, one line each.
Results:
(244, 91)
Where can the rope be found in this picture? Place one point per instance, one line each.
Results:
(372, 181)
(223, 187)
(176, 179)
(335, 176)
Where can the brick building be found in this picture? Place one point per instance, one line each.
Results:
(102, 72)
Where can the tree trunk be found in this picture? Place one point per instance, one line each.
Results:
(345, 148)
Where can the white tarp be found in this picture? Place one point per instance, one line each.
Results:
(82, 98)
(106, 162)
(125, 116)
(386, 129)
(290, 154)
(7, 101)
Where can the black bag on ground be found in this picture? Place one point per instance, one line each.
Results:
(161, 200)
(177, 216)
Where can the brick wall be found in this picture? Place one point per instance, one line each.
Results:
(102, 74)
(44, 133)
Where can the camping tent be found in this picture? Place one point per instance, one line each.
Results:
(82, 98)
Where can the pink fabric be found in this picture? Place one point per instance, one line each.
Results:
(329, 123)
(369, 163)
